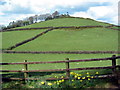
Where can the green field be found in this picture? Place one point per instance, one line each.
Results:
(89, 39)
(13, 37)
(96, 39)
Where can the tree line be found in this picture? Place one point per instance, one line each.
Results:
(33, 19)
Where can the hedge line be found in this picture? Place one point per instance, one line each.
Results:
(50, 27)
(28, 40)
(62, 52)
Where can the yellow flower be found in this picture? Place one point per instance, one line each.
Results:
(78, 77)
(72, 73)
(62, 80)
(62, 76)
(96, 73)
(88, 78)
(75, 76)
(42, 83)
(72, 80)
(87, 73)
(83, 78)
(49, 84)
(92, 77)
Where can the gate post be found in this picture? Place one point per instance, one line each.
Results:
(114, 63)
(67, 67)
(25, 68)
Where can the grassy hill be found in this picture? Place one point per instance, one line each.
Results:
(66, 22)
(87, 39)
(96, 39)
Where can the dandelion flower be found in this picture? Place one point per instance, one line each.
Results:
(87, 73)
(72, 80)
(72, 73)
(81, 80)
(49, 84)
(96, 73)
(88, 78)
(92, 77)
(78, 77)
(42, 83)
(75, 76)
(62, 80)
(62, 76)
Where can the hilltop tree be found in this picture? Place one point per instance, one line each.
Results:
(36, 18)
(55, 14)
(2, 27)
(68, 14)
(25, 23)
(44, 16)
(19, 23)
(31, 20)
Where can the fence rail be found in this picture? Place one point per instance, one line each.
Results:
(81, 60)
(68, 69)
(52, 70)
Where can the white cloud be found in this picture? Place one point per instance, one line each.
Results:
(14, 17)
(102, 13)
(82, 14)
(13, 8)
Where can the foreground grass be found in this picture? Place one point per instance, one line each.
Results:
(77, 80)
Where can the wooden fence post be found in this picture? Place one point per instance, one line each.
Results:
(67, 67)
(25, 68)
(115, 72)
(114, 63)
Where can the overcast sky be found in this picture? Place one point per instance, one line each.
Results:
(102, 10)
